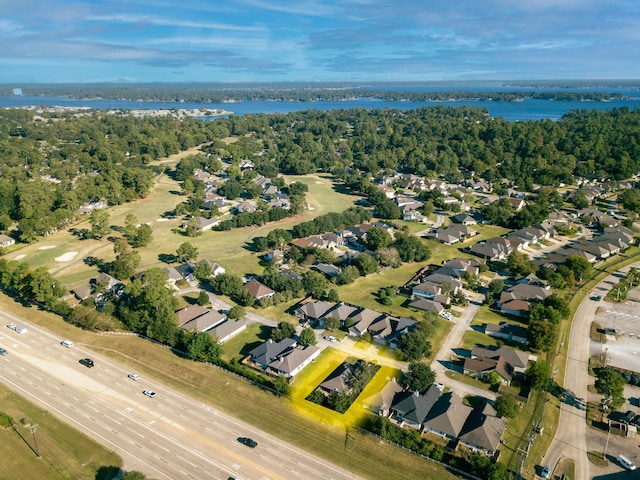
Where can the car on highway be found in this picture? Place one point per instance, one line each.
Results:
(12, 326)
(66, 343)
(249, 442)
(3, 351)
(149, 393)
(133, 376)
(87, 362)
(546, 471)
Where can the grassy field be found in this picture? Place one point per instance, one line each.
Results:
(227, 248)
(65, 453)
(326, 435)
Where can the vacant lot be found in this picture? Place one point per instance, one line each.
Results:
(65, 452)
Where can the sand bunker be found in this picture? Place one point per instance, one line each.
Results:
(66, 257)
(19, 257)
(46, 247)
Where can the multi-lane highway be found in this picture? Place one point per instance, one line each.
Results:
(170, 436)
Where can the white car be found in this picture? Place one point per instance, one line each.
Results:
(446, 315)
(66, 343)
(134, 376)
(12, 326)
(149, 393)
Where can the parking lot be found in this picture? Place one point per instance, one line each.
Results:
(622, 322)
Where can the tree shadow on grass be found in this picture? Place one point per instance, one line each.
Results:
(107, 473)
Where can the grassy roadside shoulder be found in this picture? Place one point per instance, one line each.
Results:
(64, 451)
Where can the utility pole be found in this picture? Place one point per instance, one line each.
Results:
(606, 445)
(32, 429)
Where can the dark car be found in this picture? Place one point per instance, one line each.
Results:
(248, 442)
(3, 351)
(87, 362)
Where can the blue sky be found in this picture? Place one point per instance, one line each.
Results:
(317, 40)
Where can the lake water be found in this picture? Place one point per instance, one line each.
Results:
(528, 109)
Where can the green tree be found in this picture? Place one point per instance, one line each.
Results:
(518, 264)
(538, 375)
(143, 236)
(610, 384)
(203, 298)
(204, 347)
(237, 312)
(99, 221)
(377, 238)
(580, 267)
(307, 336)
(411, 249)
(331, 323)
(414, 345)
(202, 271)
(314, 283)
(366, 264)
(186, 252)
(507, 406)
(283, 330)
(418, 377)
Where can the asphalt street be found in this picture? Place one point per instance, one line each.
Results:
(170, 436)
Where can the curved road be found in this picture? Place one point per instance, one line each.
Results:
(170, 436)
(573, 433)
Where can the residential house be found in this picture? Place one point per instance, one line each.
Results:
(173, 276)
(516, 358)
(426, 290)
(186, 270)
(205, 322)
(338, 380)
(258, 290)
(361, 321)
(328, 270)
(482, 367)
(313, 311)
(292, 361)
(386, 328)
(380, 403)
(516, 307)
(227, 329)
(410, 409)
(523, 291)
(447, 416)
(427, 305)
(203, 224)
(488, 252)
(216, 268)
(343, 312)
(507, 331)
(6, 241)
(268, 351)
(464, 219)
(483, 430)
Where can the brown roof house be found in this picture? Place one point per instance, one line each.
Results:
(447, 416)
(380, 403)
(258, 290)
(483, 430)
